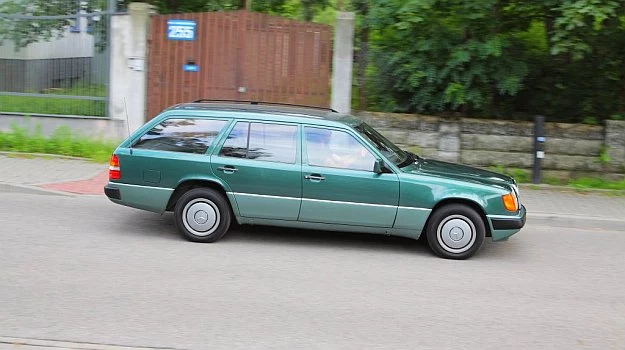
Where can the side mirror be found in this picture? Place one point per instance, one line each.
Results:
(378, 166)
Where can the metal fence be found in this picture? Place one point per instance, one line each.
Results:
(54, 57)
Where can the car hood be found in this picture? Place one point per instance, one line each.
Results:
(458, 171)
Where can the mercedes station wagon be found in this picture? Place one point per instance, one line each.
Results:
(212, 162)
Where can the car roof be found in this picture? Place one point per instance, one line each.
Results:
(284, 110)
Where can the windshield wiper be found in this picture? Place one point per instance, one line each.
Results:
(414, 157)
(410, 159)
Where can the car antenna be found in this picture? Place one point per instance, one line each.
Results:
(127, 124)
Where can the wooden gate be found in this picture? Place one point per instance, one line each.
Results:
(239, 55)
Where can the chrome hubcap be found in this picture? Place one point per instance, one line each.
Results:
(456, 234)
(201, 217)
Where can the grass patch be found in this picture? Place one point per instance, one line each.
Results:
(582, 183)
(597, 183)
(51, 105)
(520, 175)
(61, 142)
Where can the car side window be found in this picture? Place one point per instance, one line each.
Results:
(236, 143)
(186, 135)
(336, 149)
(262, 141)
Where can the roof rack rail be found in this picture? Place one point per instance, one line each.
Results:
(265, 103)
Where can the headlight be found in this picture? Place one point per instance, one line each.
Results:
(515, 188)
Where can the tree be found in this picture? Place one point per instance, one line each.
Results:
(433, 56)
(508, 58)
(22, 31)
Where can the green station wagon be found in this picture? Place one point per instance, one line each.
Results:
(212, 162)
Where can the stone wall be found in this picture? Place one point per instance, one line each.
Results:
(96, 127)
(571, 150)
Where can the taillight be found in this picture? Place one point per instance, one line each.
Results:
(114, 172)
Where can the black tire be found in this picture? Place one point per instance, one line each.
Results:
(202, 215)
(455, 231)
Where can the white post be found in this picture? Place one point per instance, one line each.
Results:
(128, 37)
(342, 62)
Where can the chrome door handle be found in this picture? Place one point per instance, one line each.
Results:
(314, 177)
(228, 169)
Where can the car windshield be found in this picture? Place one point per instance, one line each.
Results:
(386, 147)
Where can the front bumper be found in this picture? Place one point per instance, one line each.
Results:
(503, 227)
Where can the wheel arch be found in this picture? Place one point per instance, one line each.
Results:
(189, 184)
(459, 200)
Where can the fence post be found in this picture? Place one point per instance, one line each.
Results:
(539, 148)
(342, 62)
(614, 144)
(128, 65)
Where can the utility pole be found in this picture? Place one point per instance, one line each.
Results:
(248, 5)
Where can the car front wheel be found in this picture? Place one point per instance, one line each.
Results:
(202, 215)
(455, 231)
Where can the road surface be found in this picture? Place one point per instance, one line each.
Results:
(86, 271)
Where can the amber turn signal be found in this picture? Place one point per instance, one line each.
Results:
(509, 202)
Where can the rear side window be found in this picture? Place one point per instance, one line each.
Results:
(236, 143)
(186, 135)
(262, 141)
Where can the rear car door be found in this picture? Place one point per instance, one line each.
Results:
(260, 162)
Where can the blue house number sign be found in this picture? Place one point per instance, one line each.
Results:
(178, 29)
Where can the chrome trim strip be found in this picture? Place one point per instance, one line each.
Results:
(413, 208)
(502, 216)
(263, 195)
(349, 203)
(131, 185)
(329, 201)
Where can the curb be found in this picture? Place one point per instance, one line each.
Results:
(576, 221)
(569, 189)
(28, 189)
(45, 156)
(31, 343)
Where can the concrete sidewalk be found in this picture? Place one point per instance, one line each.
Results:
(51, 175)
(67, 176)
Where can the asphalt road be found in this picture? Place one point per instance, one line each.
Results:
(82, 269)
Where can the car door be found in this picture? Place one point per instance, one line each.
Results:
(339, 185)
(260, 162)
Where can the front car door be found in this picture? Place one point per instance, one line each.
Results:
(260, 162)
(340, 186)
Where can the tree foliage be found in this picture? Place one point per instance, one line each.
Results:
(499, 58)
(26, 31)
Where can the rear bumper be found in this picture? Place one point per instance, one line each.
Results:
(112, 192)
(138, 196)
(503, 227)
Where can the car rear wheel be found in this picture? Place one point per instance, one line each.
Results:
(202, 215)
(455, 231)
